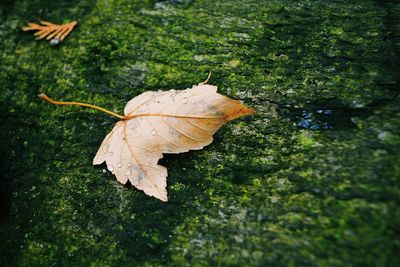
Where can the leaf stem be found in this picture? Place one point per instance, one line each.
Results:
(208, 78)
(46, 98)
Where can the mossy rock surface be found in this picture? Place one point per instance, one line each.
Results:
(313, 179)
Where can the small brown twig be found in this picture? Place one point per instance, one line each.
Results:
(50, 30)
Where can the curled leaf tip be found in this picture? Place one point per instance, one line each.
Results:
(252, 111)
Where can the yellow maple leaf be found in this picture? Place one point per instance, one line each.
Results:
(154, 123)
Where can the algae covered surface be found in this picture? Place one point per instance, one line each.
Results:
(313, 179)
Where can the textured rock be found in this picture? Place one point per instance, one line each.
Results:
(313, 179)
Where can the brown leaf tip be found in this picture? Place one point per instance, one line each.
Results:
(243, 111)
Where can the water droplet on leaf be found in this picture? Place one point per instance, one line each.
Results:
(54, 41)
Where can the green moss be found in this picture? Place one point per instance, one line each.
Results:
(306, 139)
(265, 193)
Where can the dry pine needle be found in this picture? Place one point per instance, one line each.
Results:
(56, 33)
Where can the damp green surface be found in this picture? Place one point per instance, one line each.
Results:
(313, 179)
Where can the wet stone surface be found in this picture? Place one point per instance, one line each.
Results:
(311, 180)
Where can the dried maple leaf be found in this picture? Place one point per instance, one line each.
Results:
(154, 123)
(54, 32)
